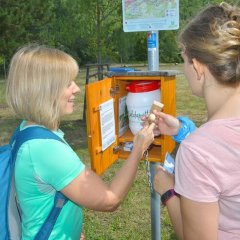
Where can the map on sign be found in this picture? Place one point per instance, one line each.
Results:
(148, 15)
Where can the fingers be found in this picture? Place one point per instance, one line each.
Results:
(152, 126)
(160, 168)
(160, 114)
(82, 237)
(149, 126)
(145, 137)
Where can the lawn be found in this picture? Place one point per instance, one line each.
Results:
(132, 219)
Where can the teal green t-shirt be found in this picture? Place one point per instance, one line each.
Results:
(44, 166)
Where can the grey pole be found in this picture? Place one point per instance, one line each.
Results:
(153, 51)
(155, 207)
(153, 65)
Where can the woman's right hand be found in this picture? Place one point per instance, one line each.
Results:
(144, 138)
(166, 124)
(163, 180)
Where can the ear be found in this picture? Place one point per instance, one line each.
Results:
(198, 68)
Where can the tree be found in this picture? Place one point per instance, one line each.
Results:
(91, 31)
(20, 24)
(102, 19)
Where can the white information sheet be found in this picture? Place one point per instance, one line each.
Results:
(150, 15)
(107, 122)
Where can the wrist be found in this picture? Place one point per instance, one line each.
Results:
(137, 152)
(168, 195)
(187, 126)
(176, 131)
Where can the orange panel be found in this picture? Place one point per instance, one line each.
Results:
(96, 94)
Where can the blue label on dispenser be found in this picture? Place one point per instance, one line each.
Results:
(152, 40)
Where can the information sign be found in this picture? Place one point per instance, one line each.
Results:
(150, 15)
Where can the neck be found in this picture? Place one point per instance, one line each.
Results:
(222, 101)
(28, 123)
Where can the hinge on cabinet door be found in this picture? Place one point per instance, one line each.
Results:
(116, 149)
(114, 91)
(96, 109)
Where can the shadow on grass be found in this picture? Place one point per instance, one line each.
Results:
(75, 133)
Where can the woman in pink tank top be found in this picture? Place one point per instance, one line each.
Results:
(203, 197)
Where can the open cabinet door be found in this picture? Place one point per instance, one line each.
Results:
(96, 94)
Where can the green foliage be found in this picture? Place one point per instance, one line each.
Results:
(168, 48)
(1, 59)
(91, 31)
(21, 23)
(140, 47)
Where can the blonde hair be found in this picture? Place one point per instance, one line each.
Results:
(213, 38)
(36, 80)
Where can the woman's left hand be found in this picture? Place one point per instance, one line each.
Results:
(82, 237)
(163, 180)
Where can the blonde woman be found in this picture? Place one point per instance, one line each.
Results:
(203, 199)
(41, 88)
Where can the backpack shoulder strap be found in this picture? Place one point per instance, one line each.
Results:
(59, 201)
(14, 135)
(29, 134)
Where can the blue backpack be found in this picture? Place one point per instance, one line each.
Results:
(10, 216)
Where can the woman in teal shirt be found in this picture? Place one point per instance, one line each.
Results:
(41, 89)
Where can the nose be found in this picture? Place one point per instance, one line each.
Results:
(76, 88)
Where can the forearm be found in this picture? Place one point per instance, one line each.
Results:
(108, 197)
(174, 211)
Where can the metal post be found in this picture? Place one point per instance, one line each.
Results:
(153, 65)
(153, 51)
(155, 207)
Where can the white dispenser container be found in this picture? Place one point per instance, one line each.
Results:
(140, 97)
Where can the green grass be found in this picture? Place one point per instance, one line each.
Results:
(132, 219)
